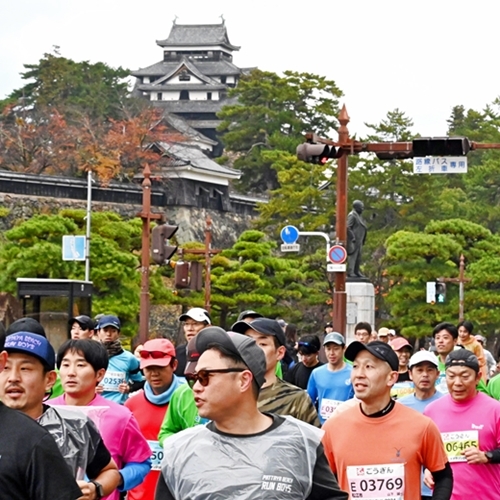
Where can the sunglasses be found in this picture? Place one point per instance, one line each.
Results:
(154, 354)
(203, 376)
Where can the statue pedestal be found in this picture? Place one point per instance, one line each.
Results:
(360, 305)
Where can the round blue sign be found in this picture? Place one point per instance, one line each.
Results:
(289, 234)
(337, 254)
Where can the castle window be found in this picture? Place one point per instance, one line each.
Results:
(184, 95)
(209, 96)
(159, 96)
(184, 77)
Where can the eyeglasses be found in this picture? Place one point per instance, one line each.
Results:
(154, 354)
(203, 376)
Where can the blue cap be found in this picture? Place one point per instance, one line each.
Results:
(33, 344)
(335, 338)
(109, 320)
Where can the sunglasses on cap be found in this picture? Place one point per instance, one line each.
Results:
(154, 354)
(203, 376)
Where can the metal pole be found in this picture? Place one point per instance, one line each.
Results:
(87, 237)
(208, 245)
(144, 298)
(339, 293)
(461, 289)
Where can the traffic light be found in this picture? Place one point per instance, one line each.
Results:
(441, 146)
(161, 251)
(196, 282)
(315, 153)
(440, 293)
(181, 277)
(395, 155)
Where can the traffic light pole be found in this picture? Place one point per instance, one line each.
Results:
(461, 280)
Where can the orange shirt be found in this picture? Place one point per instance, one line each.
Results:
(403, 436)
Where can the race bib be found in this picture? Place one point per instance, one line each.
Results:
(441, 384)
(455, 443)
(156, 455)
(377, 482)
(328, 406)
(400, 389)
(112, 380)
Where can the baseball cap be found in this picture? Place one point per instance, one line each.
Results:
(265, 326)
(85, 322)
(308, 344)
(379, 349)
(242, 346)
(480, 338)
(197, 314)
(334, 337)
(383, 332)
(392, 332)
(26, 325)
(157, 352)
(109, 320)
(192, 356)
(249, 314)
(399, 342)
(462, 357)
(32, 344)
(421, 357)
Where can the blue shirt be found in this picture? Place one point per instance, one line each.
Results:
(419, 405)
(123, 367)
(328, 389)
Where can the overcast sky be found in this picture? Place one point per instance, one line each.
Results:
(421, 56)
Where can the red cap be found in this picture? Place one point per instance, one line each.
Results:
(150, 353)
(399, 342)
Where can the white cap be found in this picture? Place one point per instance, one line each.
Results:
(196, 313)
(421, 356)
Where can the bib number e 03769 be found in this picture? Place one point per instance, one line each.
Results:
(377, 482)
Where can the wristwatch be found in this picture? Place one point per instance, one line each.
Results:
(99, 490)
(489, 455)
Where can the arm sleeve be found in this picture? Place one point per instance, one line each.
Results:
(133, 474)
(162, 491)
(101, 458)
(325, 485)
(443, 483)
(48, 475)
(135, 370)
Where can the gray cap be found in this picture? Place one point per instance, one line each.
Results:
(242, 346)
(336, 338)
(265, 326)
(462, 357)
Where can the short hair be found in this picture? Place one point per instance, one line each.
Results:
(467, 325)
(449, 327)
(94, 352)
(363, 325)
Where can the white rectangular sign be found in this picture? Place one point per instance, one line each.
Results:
(290, 247)
(335, 268)
(73, 247)
(431, 292)
(440, 165)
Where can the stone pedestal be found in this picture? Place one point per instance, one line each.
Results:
(360, 305)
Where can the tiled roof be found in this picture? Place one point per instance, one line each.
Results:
(193, 106)
(208, 68)
(180, 86)
(197, 35)
(185, 129)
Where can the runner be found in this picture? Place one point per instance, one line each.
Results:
(424, 372)
(31, 465)
(380, 444)
(251, 454)
(467, 340)
(308, 348)
(194, 321)
(403, 385)
(362, 332)
(383, 335)
(81, 327)
(28, 376)
(276, 395)
(469, 422)
(82, 365)
(150, 405)
(330, 384)
(123, 366)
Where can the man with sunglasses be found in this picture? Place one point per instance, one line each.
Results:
(242, 453)
(149, 405)
(308, 347)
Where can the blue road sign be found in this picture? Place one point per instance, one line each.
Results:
(73, 248)
(337, 254)
(289, 234)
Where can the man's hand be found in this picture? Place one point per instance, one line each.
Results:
(88, 490)
(475, 456)
(428, 479)
(124, 388)
(99, 389)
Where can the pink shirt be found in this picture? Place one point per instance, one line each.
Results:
(120, 433)
(479, 416)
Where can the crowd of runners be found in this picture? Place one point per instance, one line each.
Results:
(249, 413)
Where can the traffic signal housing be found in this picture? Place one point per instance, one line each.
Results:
(315, 153)
(440, 293)
(161, 251)
(441, 146)
(181, 277)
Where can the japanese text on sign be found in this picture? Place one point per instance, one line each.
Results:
(440, 165)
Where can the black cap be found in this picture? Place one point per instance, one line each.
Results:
(462, 357)
(242, 346)
(309, 344)
(29, 325)
(249, 314)
(379, 349)
(265, 326)
(85, 322)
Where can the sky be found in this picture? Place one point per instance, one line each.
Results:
(420, 56)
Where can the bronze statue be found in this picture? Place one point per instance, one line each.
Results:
(356, 237)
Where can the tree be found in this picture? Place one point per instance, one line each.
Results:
(273, 112)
